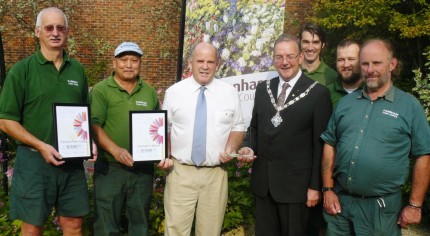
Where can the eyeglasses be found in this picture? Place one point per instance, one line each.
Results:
(50, 28)
(289, 57)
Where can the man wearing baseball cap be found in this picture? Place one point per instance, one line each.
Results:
(119, 182)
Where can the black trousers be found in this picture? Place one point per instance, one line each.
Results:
(316, 221)
(280, 219)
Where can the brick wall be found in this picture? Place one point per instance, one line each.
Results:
(296, 13)
(154, 25)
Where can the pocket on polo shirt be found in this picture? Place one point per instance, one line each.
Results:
(224, 117)
(393, 130)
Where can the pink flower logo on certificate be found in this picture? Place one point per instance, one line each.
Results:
(156, 130)
(80, 125)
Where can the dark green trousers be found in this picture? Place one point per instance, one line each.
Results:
(366, 216)
(118, 189)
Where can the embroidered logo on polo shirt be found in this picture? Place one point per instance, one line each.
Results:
(141, 103)
(390, 113)
(73, 82)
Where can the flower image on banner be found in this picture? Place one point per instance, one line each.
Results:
(156, 130)
(81, 125)
(244, 33)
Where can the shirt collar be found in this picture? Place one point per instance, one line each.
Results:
(339, 87)
(111, 81)
(320, 69)
(196, 86)
(42, 60)
(292, 81)
(389, 95)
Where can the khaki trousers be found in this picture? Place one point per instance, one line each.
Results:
(199, 192)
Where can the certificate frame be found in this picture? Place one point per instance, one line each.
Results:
(148, 135)
(72, 128)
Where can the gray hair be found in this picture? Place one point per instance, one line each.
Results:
(54, 9)
(288, 38)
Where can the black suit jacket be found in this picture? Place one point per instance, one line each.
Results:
(289, 156)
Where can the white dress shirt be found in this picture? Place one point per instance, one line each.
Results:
(223, 116)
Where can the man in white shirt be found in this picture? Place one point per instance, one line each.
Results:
(197, 185)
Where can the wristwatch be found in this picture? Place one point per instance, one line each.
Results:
(325, 189)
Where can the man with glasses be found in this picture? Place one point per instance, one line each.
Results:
(42, 179)
(290, 113)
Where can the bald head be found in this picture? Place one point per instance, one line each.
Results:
(204, 46)
(377, 61)
(204, 62)
(384, 46)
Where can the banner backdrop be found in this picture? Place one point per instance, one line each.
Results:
(243, 31)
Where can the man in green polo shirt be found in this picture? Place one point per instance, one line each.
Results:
(312, 42)
(348, 67)
(42, 180)
(119, 182)
(368, 142)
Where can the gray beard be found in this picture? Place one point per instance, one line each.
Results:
(377, 84)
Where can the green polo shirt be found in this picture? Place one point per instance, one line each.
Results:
(33, 85)
(110, 106)
(337, 91)
(374, 140)
(323, 74)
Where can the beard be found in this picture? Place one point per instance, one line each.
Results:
(378, 83)
(355, 76)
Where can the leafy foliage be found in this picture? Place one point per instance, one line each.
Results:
(96, 72)
(409, 18)
(422, 86)
(422, 90)
(406, 23)
(240, 203)
(157, 205)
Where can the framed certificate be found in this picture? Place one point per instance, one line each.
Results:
(148, 135)
(72, 130)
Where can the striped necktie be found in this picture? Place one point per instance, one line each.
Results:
(281, 97)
